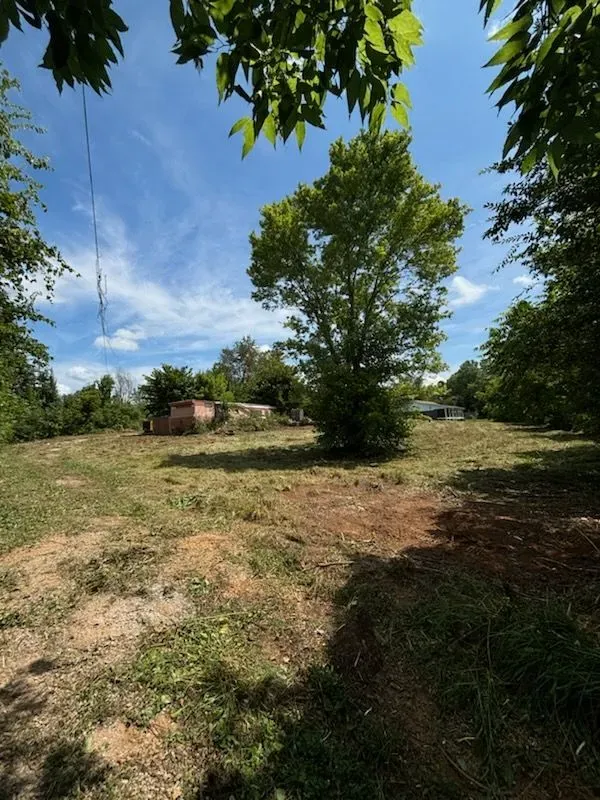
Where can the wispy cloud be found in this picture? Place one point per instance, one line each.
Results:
(524, 280)
(72, 376)
(194, 310)
(464, 292)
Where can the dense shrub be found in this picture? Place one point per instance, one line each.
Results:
(39, 413)
(359, 416)
(254, 422)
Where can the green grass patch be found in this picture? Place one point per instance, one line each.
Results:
(516, 665)
(70, 771)
(268, 556)
(269, 732)
(11, 619)
(222, 507)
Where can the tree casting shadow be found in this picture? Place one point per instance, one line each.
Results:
(278, 459)
(370, 722)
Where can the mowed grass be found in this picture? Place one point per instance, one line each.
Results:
(423, 626)
(63, 485)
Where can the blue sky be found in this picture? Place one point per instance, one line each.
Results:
(176, 202)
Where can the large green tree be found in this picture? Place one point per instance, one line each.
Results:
(238, 364)
(285, 57)
(544, 353)
(165, 385)
(358, 258)
(29, 265)
(466, 385)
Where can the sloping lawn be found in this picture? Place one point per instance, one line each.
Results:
(241, 617)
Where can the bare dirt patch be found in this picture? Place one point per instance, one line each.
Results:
(106, 622)
(214, 557)
(374, 516)
(70, 482)
(39, 564)
(150, 763)
(119, 743)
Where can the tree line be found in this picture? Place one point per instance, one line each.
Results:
(540, 363)
(243, 373)
(358, 260)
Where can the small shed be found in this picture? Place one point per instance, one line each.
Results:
(184, 414)
(437, 410)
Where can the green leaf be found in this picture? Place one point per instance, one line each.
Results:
(12, 12)
(4, 26)
(512, 139)
(509, 30)
(353, 89)
(116, 21)
(249, 139)
(508, 73)
(408, 26)
(177, 15)
(372, 12)
(401, 94)
(374, 35)
(269, 129)
(222, 74)
(320, 42)
(300, 132)
(530, 160)
(547, 45)
(241, 124)
(377, 117)
(554, 156)
(313, 115)
(490, 7)
(221, 8)
(400, 114)
(512, 93)
(513, 48)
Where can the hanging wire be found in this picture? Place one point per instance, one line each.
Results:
(101, 287)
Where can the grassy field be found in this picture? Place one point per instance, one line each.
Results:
(216, 617)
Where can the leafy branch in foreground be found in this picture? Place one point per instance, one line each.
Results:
(550, 70)
(285, 57)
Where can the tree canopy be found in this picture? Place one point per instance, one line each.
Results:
(29, 265)
(284, 58)
(544, 352)
(466, 384)
(550, 70)
(358, 259)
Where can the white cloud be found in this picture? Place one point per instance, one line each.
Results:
(63, 388)
(433, 378)
(200, 311)
(464, 292)
(82, 374)
(524, 280)
(125, 339)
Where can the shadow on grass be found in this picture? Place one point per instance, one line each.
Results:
(67, 769)
(570, 476)
(462, 669)
(433, 685)
(70, 769)
(536, 521)
(264, 458)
